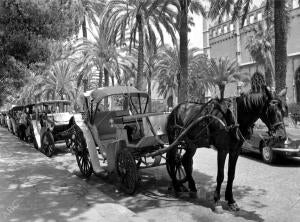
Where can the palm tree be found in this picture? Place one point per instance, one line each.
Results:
(92, 10)
(261, 48)
(167, 67)
(99, 53)
(59, 80)
(146, 18)
(183, 7)
(221, 7)
(221, 71)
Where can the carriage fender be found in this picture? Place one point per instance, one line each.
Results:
(37, 132)
(90, 145)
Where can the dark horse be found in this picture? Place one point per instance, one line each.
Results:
(188, 134)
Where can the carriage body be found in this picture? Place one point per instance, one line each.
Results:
(14, 118)
(48, 120)
(117, 126)
(3, 121)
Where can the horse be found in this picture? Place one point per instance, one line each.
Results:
(185, 131)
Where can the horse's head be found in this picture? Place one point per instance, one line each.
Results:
(272, 115)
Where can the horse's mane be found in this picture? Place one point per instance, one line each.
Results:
(252, 100)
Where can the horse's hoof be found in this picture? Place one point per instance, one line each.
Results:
(233, 207)
(218, 208)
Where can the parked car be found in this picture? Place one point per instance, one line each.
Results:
(258, 142)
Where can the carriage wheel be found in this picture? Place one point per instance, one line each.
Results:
(180, 174)
(48, 145)
(82, 157)
(126, 169)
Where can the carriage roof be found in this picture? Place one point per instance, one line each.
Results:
(16, 108)
(100, 93)
(49, 102)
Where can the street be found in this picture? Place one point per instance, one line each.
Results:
(37, 188)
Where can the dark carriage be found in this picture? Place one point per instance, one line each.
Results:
(15, 114)
(50, 119)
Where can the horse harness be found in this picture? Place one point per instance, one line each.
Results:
(208, 108)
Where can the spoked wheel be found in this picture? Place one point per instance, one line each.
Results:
(268, 155)
(178, 167)
(48, 145)
(126, 170)
(82, 157)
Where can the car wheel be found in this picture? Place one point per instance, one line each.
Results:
(267, 154)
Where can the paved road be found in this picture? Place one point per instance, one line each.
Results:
(36, 188)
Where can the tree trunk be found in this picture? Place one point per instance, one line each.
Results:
(149, 93)
(268, 76)
(139, 78)
(100, 78)
(222, 90)
(85, 84)
(106, 83)
(183, 50)
(112, 80)
(84, 29)
(280, 26)
(106, 77)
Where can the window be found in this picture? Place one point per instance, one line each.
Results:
(225, 29)
(259, 16)
(220, 31)
(251, 18)
(295, 4)
(214, 33)
(245, 22)
(231, 27)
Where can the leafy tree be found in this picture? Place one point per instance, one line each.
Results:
(167, 68)
(146, 18)
(100, 53)
(183, 7)
(221, 71)
(59, 80)
(261, 48)
(29, 27)
(278, 10)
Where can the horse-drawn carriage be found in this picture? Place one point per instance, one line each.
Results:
(50, 119)
(15, 114)
(117, 126)
(3, 118)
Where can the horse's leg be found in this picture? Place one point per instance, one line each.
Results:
(220, 177)
(233, 157)
(171, 164)
(187, 162)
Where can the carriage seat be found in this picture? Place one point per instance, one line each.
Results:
(103, 123)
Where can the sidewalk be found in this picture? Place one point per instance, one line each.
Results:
(35, 188)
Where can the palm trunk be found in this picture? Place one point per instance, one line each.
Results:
(183, 57)
(112, 80)
(85, 84)
(268, 76)
(139, 78)
(84, 29)
(280, 26)
(106, 77)
(100, 78)
(222, 90)
(149, 93)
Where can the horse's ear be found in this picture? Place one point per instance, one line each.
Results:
(268, 93)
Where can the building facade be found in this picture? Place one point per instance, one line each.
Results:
(227, 39)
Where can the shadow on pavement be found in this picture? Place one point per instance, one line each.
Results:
(154, 193)
(34, 188)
